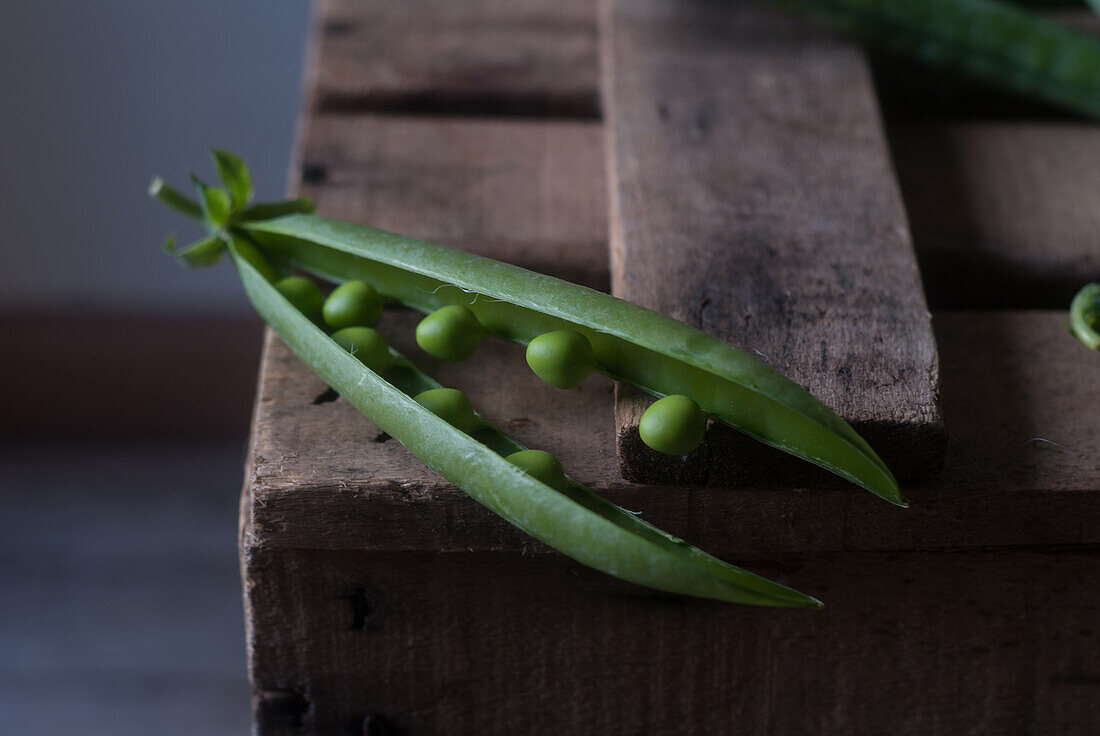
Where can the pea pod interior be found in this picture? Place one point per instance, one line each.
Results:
(631, 344)
(575, 521)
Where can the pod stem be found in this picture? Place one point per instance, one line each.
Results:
(165, 193)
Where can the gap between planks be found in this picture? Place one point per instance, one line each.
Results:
(514, 58)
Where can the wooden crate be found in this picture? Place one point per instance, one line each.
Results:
(380, 599)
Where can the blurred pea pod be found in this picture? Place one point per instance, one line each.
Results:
(993, 42)
(471, 454)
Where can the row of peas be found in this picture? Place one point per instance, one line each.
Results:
(352, 310)
(673, 425)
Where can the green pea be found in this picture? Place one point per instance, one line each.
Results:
(541, 466)
(450, 405)
(673, 425)
(450, 333)
(353, 303)
(366, 345)
(562, 358)
(303, 294)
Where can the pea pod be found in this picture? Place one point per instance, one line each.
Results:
(993, 42)
(631, 344)
(573, 520)
(1084, 315)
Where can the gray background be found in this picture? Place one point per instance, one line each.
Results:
(99, 96)
(121, 603)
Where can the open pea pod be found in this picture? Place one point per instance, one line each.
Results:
(574, 521)
(631, 344)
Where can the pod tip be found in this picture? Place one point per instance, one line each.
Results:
(800, 600)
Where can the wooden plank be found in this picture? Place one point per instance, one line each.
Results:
(1003, 214)
(476, 57)
(380, 598)
(752, 197)
(530, 193)
(323, 477)
(928, 644)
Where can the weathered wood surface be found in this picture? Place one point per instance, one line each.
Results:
(377, 591)
(935, 644)
(752, 197)
(323, 477)
(381, 599)
(475, 57)
(999, 211)
(530, 193)
(1004, 214)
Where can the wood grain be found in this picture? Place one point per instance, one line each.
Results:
(926, 644)
(376, 590)
(752, 197)
(476, 57)
(380, 599)
(1003, 214)
(530, 193)
(322, 476)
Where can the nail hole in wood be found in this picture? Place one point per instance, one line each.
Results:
(314, 173)
(281, 709)
(362, 610)
(326, 396)
(375, 725)
(339, 27)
